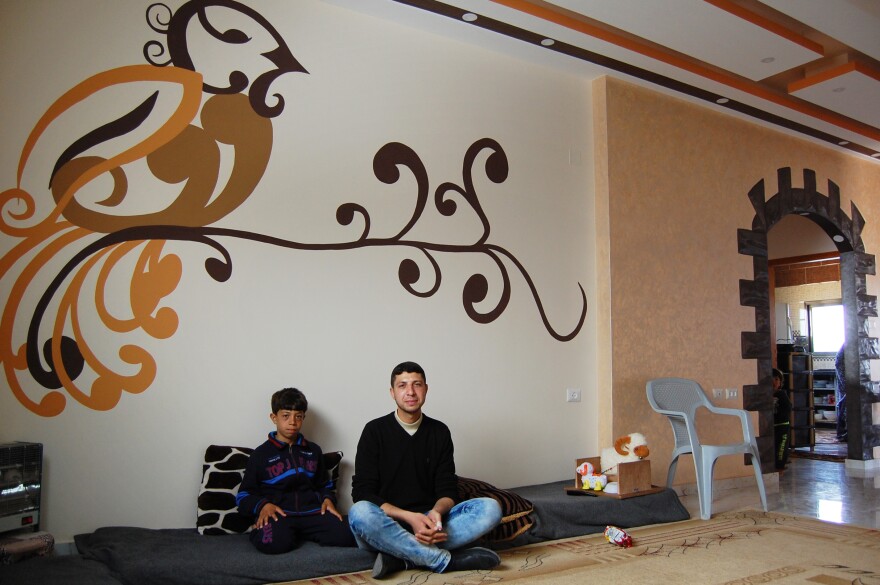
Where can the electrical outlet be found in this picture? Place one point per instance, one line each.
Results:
(717, 393)
(731, 392)
(573, 395)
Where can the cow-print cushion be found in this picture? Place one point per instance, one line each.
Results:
(221, 475)
(515, 509)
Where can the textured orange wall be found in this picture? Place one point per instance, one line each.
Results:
(678, 175)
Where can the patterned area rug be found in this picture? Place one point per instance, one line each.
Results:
(827, 448)
(748, 546)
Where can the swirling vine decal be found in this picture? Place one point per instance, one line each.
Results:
(385, 166)
(100, 242)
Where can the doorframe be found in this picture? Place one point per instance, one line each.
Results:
(855, 264)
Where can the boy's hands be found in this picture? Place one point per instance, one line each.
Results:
(270, 510)
(328, 506)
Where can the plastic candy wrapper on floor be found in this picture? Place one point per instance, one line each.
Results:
(617, 536)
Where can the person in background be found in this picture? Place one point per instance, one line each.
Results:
(841, 394)
(286, 487)
(781, 420)
(405, 490)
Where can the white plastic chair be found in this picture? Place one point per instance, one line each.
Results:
(679, 399)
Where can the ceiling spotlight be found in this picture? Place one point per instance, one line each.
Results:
(469, 16)
(722, 100)
(768, 59)
(838, 238)
(875, 155)
(843, 142)
(547, 42)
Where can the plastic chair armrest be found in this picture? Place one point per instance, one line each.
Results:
(675, 413)
(737, 412)
(729, 411)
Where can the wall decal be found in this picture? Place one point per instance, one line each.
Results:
(78, 246)
(179, 54)
(385, 167)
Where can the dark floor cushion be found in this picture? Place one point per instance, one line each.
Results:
(182, 556)
(58, 570)
(558, 515)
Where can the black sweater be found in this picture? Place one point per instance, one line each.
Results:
(410, 472)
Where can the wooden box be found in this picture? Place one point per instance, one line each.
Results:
(633, 479)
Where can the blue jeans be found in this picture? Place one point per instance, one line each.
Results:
(467, 521)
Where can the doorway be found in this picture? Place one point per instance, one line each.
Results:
(845, 231)
(809, 331)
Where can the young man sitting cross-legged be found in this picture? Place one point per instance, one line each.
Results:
(405, 490)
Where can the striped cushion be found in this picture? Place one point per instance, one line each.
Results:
(515, 509)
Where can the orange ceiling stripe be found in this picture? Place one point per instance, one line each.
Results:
(543, 10)
(868, 70)
(768, 25)
(833, 72)
(825, 75)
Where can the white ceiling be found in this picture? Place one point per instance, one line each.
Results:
(699, 29)
(807, 67)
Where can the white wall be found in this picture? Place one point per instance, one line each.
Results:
(331, 323)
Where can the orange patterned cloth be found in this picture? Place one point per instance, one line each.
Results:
(14, 547)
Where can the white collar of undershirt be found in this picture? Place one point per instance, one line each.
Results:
(410, 428)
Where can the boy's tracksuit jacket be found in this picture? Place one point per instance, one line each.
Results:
(290, 476)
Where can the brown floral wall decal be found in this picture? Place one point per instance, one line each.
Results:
(90, 242)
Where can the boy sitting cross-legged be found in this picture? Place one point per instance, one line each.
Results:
(286, 488)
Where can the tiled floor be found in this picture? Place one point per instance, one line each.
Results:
(818, 489)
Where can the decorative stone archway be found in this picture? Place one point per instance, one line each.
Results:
(855, 264)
